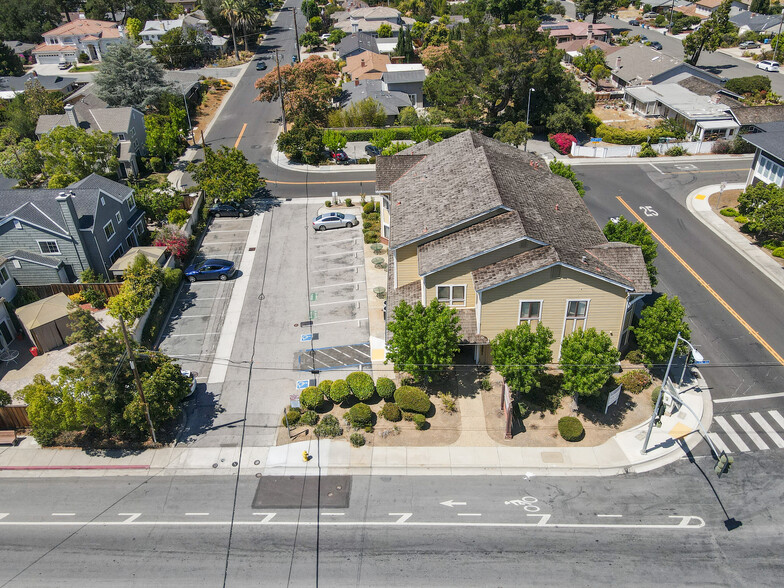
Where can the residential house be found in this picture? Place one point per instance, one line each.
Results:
(91, 113)
(765, 24)
(768, 163)
(366, 66)
(7, 292)
(355, 44)
(637, 64)
(391, 102)
(564, 32)
(704, 8)
(574, 48)
(10, 86)
(155, 29)
(753, 118)
(368, 19)
(22, 50)
(66, 42)
(53, 235)
(408, 78)
(489, 230)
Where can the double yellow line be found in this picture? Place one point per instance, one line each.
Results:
(705, 285)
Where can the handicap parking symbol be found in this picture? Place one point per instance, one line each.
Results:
(305, 338)
(302, 384)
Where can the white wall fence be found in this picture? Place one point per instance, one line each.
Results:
(190, 224)
(602, 151)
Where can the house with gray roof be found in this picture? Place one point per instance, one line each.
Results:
(768, 163)
(408, 78)
(92, 114)
(489, 230)
(759, 23)
(355, 44)
(10, 86)
(359, 90)
(52, 236)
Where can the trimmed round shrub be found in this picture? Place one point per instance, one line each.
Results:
(339, 391)
(778, 252)
(741, 219)
(361, 385)
(570, 428)
(411, 399)
(728, 212)
(367, 224)
(391, 412)
(357, 439)
(328, 427)
(309, 417)
(676, 151)
(348, 202)
(369, 207)
(419, 421)
(655, 395)
(360, 415)
(311, 398)
(325, 386)
(635, 356)
(370, 236)
(328, 203)
(647, 151)
(385, 388)
(635, 381)
(292, 416)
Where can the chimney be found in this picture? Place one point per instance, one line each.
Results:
(362, 63)
(71, 114)
(618, 62)
(356, 82)
(354, 27)
(590, 32)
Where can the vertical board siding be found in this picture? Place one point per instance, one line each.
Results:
(407, 265)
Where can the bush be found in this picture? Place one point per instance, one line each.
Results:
(77, 298)
(728, 212)
(408, 416)
(309, 417)
(367, 224)
(339, 391)
(360, 415)
(349, 202)
(83, 57)
(156, 163)
(590, 123)
(328, 427)
(357, 439)
(24, 296)
(94, 298)
(325, 386)
(391, 412)
(328, 203)
(362, 160)
(401, 133)
(635, 381)
(647, 151)
(486, 384)
(619, 136)
(90, 276)
(177, 217)
(720, 146)
(371, 236)
(748, 84)
(655, 395)
(778, 252)
(368, 208)
(412, 399)
(570, 428)
(738, 219)
(419, 421)
(361, 385)
(676, 151)
(373, 216)
(311, 398)
(562, 142)
(292, 416)
(635, 356)
(385, 388)
(5, 398)
(449, 402)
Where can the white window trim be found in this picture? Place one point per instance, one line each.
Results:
(136, 228)
(114, 232)
(451, 295)
(131, 202)
(4, 275)
(42, 252)
(520, 320)
(115, 251)
(118, 216)
(566, 309)
(18, 225)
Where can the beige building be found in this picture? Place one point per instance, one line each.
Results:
(489, 230)
(366, 66)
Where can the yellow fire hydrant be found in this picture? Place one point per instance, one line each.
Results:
(305, 456)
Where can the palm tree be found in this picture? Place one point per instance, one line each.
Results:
(230, 11)
(248, 15)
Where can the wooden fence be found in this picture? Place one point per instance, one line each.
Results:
(13, 417)
(46, 290)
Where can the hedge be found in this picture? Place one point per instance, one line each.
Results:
(391, 412)
(360, 415)
(411, 399)
(778, 252)
(361, 385)
(748, 84)
(570, 428)
(325, 386)
(385, 388)
(339, 391)
(400, 133)
(311, 398)
(328, 427)
(618, 136)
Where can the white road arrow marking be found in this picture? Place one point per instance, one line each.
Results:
(451, 503)
(267, 516)
(132, 516)
(404, 516)
(3, 515)
(543, 518)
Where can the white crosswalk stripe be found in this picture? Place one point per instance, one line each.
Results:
(774, 414)
(755, 438)
(774, 436)
(731, 433)
(742, 431)
(719, 443)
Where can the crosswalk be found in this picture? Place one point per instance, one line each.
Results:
(748, 432)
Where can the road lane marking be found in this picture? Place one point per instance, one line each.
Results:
(705, 285)
(63, 514)
(469, 514)
(239, 137)
(336, 285)
(267, 516)
(656, 168)
(768, 429)
(404, 516)
(777, 417)
(332, 514)
(132, 516)
(609, 516)
(731, 433)
(744, 398)
(747, 428)
(3, 515)
(340, 302)
(197, 514)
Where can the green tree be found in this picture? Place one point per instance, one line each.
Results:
(382, 138)
(598, 9)
(134, 26)
(140, 284)
(164, 389)
(27, 21)
(181, 47)
(521, 355)
(763, 204)
(709, 36)
(163, 138)
(588, 359)
(310, 9)
(405, 45)
(395, 147)
(564, 120)
(10, 64)
(23, 111)
(421, 133)
(384, 31)
(336, 36)
(129, 76)
(316, 24)
(408, 117)
(658, 328)
(424, 338)
(227, 174)
(513, 133)
(303, 143)
(310, 39)
(74, 151)
(230, 11)
(47, 409)
(146, 10)
(759, 6)
(636, 234)
(19, 159)
(249, 14)
(564, 170)
(600, 72)
(334, 140)
(505, 9)
(157, 200)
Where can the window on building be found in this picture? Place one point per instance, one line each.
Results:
(17, 264)
(121, 136)
(530, 312)
(576, 314)
(116, 254)
(49, 247)
(17, 225)
(769, 170)
(139, 228)
(131, 202)
(131, 240)
(413, 99)
(108, 230)
(454, 295)
(4, 277)
(118, 216)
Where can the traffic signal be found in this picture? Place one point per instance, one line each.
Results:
(659, 413)
(724, 464)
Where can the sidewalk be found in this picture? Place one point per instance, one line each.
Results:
(698, 205)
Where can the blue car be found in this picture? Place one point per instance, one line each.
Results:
(211, 269)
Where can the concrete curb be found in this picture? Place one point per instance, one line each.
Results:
(700, 208)
(652, 160)
(280, 160)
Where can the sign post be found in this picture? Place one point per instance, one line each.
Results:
(613, 398)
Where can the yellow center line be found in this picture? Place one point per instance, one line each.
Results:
(705, 285)
(321, 183)
(242, 132)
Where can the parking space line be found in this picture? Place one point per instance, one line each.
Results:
(336, 322)
(334, 359)
(193, 334)
(200, 299)
(362, 353)
(340, 302)
(228, 231)
(349, 252)
(223, 243)
(336, 285)
(332, 269)
(353, 240)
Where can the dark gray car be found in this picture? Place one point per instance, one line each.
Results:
(334, 220)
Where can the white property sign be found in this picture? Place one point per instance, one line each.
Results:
(613, 398)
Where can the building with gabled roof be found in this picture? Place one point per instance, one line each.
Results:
(66, 42)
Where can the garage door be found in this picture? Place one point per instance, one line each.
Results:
(47, 58)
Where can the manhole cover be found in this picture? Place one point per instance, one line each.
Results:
(303, 492)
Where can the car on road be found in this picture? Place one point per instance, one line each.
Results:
(749, 45)
(634, 22)
(334, 220)
(231, 209)
(768, 65)
(210, 269)
(261, 65)
(372, 150)
(656, 45)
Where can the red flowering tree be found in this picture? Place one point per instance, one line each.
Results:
(562, 142)
(175, 242)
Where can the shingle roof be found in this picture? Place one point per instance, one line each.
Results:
(512, 267)
(404, 77)
(467, 322)
(107, 120)
(756, 22)
(627, 261)
(638, 63)
(771, 140)
(390, 168)
(753, 115)
(366, 65)
(33, 258)
(391, 101)
(356, 41)
(47, 82)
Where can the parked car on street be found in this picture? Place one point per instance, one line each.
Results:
(261, 65)
(634, 22)
(656, 45)
(768, 65)
(231, 209)
(210, 269)
(748, 45)
(372, 150)
(334, 220)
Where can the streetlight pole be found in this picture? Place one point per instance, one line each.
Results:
(296, 34)
(280, 91)
(527, 115)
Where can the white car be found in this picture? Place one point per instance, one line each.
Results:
(768, 65)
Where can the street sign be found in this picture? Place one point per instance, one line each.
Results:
(613, 398)
(702, 362)
(302, 384)
(294, 401)
(306, 338)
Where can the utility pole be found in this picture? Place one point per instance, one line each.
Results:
(280, 91)
(132, 362)
(296, 34)
(776, 48)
